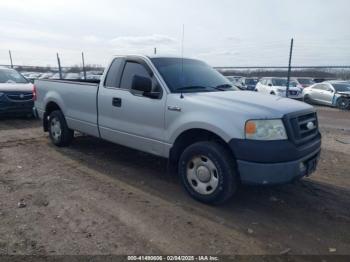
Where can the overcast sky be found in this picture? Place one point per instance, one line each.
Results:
(221, 32)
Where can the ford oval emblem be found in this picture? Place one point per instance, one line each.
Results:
(310, 125)
(21, 96)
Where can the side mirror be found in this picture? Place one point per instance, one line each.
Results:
(269, 84)
(142, 84)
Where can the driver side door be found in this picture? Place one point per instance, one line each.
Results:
(129, 118)
(327, 94)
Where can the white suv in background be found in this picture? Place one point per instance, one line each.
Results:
(277, 86)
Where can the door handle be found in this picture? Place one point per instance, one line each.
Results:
(117, 101)
(174, 108)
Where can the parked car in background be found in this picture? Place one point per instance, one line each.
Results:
(25, 74)
(57, 76)
(304, 81)
(31, 77)
(278, 86)
(331, 93)
(16, 93)
(93, 77)
(215, 136)
(73, 76)
(320, 80)
(47, 75)
(234, 79)
(248, 83)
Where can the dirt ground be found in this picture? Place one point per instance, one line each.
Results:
(95, 197)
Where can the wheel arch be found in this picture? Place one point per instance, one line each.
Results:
(191, 136)
(49, 108)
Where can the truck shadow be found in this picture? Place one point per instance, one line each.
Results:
(303, 209)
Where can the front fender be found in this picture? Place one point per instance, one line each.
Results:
(210, 122)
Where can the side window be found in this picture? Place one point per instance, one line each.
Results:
(329, 88)
(317, 87)
(130, 70)
(113, 75)
(323, 87)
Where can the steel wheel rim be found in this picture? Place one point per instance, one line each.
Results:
(56, 130)
(202, 175)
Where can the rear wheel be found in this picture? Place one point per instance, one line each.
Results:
(59, 132)
(343, 103)
(208, 173)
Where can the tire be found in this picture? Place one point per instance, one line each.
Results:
(343, 103)
(208, 173)
(272, 93)
(59, 132)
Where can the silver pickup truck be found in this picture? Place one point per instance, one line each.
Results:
(215, 136)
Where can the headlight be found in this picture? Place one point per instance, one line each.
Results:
(272, 129)
(1, 94)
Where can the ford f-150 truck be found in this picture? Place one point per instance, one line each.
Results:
(214, 135)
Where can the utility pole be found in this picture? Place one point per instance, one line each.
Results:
(289, 65)
(84, 69)
(59, 66)
(155, 50)
(11, 58)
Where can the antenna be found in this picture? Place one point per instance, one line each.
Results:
(182, 55)
(182, 48)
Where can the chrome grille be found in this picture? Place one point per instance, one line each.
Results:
(20, 96)
(302, 127)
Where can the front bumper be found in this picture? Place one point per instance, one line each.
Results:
(274, 162)
(16, 108)
(277, 173)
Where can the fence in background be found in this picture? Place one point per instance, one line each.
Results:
(317, 72)
(311, 51)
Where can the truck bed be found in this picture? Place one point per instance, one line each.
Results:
(76, 99)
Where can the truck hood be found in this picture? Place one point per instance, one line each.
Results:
(13, 87)
(252, 104)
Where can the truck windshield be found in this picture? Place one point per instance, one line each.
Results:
(190, 75)
(11, 76)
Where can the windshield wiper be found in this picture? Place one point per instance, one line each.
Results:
(223, 87)
(191, 87)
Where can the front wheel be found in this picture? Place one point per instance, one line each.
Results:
(208, 172)
(343, 103)
(59, 132)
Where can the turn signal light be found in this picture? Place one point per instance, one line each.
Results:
(250, 128)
